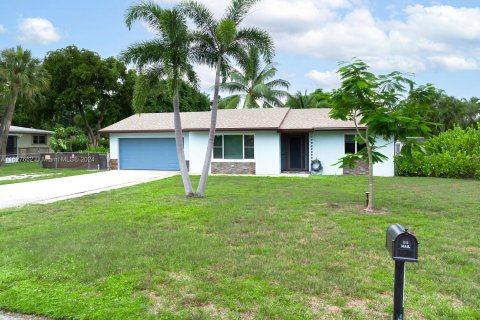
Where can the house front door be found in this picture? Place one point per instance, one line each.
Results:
(295, 152)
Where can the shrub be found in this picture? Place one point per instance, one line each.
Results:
(451, 154)
(68, 139)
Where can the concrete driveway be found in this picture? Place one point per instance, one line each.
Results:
(47, 191)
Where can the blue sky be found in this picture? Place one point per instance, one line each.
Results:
(438, 41)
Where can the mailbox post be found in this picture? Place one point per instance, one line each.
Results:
(403, 247)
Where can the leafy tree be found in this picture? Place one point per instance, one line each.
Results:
(216, 43)
(68, 139)
(167, 57)
(85, 86)
(155, 97)
(252, 85)
(315, 99)
(374, 102)
(22, 76)
(444, 110)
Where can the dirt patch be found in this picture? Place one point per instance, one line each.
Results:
(373, 212)
(159, 303)
(249, 315)
(324, 310)
(372, 309)
(215, 311)
(358, 208)
(179, 276)
(475, 250)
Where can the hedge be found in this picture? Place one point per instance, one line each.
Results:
(452, 154)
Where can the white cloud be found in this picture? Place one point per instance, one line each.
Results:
(326, 80)
(2, 29)
(206, 76)
(411, 39)
(37, 30)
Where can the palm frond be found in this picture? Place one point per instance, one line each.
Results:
(230, 102)
(238, 10)
(145, 52)
(148, 11)
(200, 14)
(257, 38)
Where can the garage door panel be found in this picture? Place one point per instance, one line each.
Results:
(148, 154)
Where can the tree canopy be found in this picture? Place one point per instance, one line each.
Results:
(21, 77)
(375, 103)
(87, 88)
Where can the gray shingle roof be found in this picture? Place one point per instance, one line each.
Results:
(313, 119)
(236, 119)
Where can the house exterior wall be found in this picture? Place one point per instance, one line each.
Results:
(25, 143)
(267, 154)
(329, 147)
(387, 168)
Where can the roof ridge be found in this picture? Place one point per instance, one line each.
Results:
(284, 117)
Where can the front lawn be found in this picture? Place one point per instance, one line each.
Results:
(34, 168)
(255, 248)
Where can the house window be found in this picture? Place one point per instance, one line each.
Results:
(39, 139)
(234, 147)
(352, 145)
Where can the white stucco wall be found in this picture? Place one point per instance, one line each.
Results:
(114, 141)
(197, 148)
(387, 168)
(329, 147)
(267, 151)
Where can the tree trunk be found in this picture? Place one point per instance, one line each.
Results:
(90, 133)
(370, 178)
(187, 184)
(5, 125)
(211, 136)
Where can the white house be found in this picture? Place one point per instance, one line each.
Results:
(26, 143)
(248, 141)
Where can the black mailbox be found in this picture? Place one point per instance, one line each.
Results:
(402, 245)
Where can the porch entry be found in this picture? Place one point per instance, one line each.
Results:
(294, 150)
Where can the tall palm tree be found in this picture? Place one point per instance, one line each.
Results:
(167, 57)
(216, 42)
(23, 77)
(252, 85)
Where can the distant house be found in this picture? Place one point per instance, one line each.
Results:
(248, 141)
(26, 142)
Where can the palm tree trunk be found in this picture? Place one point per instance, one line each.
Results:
(187, 184)
(202, 185)
(5, 126)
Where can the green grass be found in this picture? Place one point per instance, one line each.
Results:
(254, 248)
(35, 168)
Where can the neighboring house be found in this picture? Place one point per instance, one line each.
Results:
(26, 142)
(248, 141)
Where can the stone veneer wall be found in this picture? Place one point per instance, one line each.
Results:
(361, 169)
(113, 164)
(233, 167)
